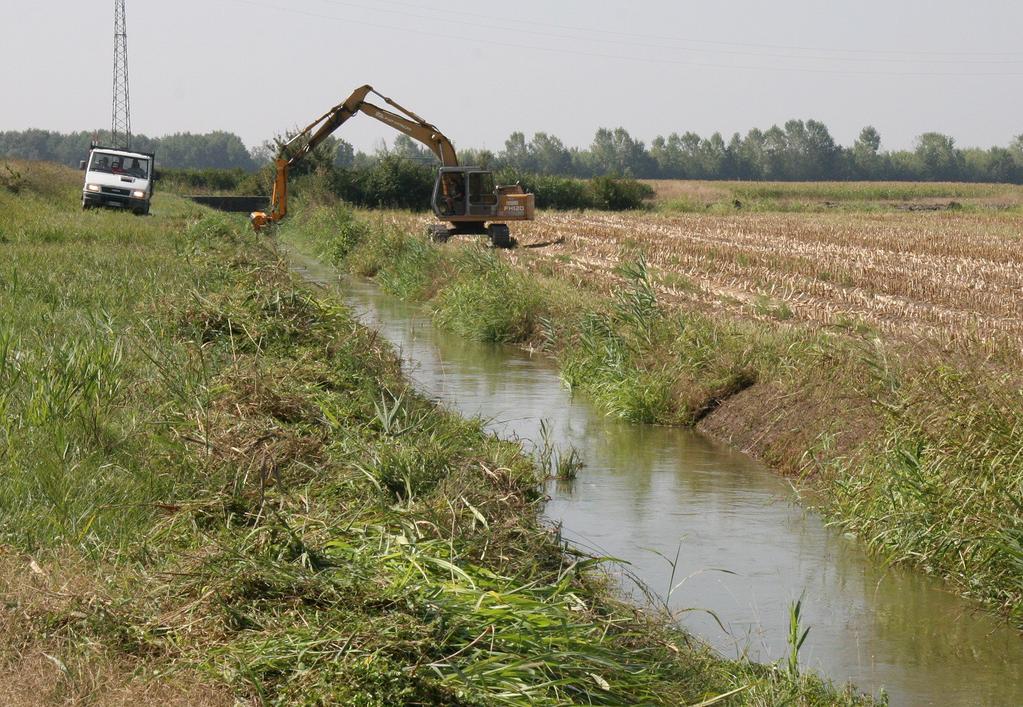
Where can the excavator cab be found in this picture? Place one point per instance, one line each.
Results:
(450, 196)
(468, 199)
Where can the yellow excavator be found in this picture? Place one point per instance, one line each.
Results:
(464, 197)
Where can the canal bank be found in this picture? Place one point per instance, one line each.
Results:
(716, 535)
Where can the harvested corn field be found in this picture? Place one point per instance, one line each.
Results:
(953, 276)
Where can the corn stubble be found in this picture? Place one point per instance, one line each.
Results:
(951, 276)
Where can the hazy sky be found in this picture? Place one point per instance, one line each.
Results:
(481, 70)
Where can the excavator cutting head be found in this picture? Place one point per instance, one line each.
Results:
(258, 219)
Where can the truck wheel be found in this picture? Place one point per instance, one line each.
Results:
(500, 236)
(438, 233)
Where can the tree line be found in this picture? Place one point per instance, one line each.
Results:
(215, 150)
(797, 151)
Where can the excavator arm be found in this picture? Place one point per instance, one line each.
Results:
(320, 129)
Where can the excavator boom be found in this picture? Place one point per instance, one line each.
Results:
(323, 127)
(463, 196)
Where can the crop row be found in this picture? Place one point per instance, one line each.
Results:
(948, 275)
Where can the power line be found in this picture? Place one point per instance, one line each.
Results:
(650, 60)
(531, 23)
(447, 19)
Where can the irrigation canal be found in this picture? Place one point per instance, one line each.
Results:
(745, 548)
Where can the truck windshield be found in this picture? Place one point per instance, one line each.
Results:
(119, 164)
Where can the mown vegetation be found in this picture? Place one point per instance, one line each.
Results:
(216, 486)
(914, 445)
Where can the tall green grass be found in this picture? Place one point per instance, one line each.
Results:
(79, 390)
(942, 484)
(486, 301)
(261, 500)
(913, 448)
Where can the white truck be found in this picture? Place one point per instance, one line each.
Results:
(119, 179)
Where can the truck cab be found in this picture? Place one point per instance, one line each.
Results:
(118, 179)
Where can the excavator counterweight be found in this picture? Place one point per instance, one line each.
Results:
(465, 197)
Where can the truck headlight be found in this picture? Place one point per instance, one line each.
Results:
(138, 194)
(92, 187)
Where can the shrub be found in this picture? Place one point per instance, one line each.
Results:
(391, 182)
(395, 182)
(11, 179)
(614, 194)
(235, 181)
(562, 193)
(568, 193)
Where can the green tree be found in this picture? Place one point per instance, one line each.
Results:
(676, 155)
(776, 148)
(344, 155)
(318, 161)
(1016, 150)
(548, 155)
(684, 156)
(215, 150)
(615, 152)
(477, 158)
(994, 165)
(1003, 167)
(939, 159)
(516, 153)
(819, 152)
(866, 154)
(713, 158)
(407, 148)
(750, 156)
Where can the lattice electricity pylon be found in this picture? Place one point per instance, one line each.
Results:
(120, 124)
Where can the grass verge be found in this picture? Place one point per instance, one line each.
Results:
(216, 486)
(912, 446)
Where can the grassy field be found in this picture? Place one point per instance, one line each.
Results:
(216, 488)
(874, 357)
(676, 195)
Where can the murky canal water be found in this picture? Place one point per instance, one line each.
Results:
(746, 550)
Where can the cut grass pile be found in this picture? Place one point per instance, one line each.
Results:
(913, 445)
(215, 486)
